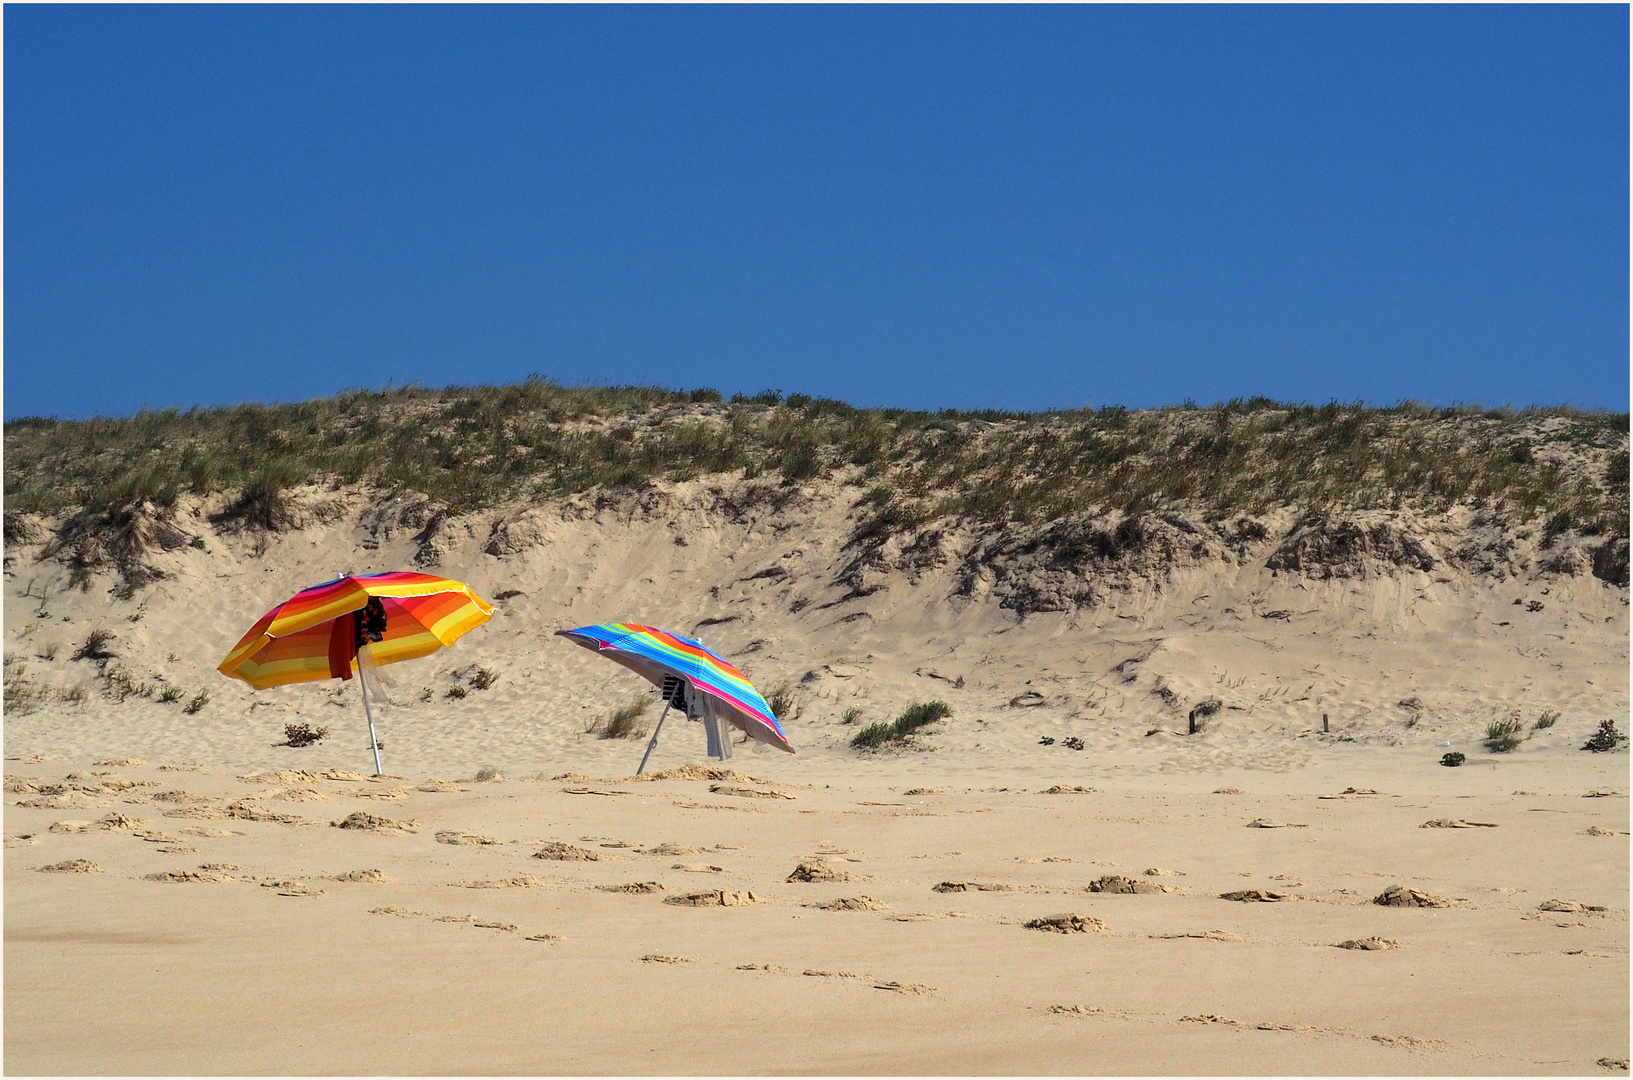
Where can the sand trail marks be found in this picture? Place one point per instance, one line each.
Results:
(1066, 923)
(1270, 823)
(698, 868)
(749, 793)
(522, 882)
(850, 903)
(659, 958)
(1067, 789)
(1201, 935)
(465, 920)
(1369, 944)
(1457, 823)
(1571, 906)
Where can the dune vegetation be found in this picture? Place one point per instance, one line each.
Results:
(472, 447)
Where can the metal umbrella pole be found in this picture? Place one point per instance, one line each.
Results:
(654, 742)
(374, 743)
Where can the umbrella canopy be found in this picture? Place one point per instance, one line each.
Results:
(313, 635)
(654, 653)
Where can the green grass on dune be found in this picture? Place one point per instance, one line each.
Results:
(472, 447)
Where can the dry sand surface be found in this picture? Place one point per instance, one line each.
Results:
(179, 899)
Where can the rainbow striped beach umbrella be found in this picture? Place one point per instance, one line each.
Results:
(332, 630)
(692, 677)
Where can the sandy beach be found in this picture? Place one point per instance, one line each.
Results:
(185, 894)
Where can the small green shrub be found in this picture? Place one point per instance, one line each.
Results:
(483, 678)
(95, 646)
(200, 699)
(782, 703)
(874, 736)
(170, 694)
(1453, 759)
(457, 692)
(625, 722)
(906, 725)
(303, 734)
(851, 715)
(1607, 738)
(487, 774)
(1545, 721)
(1503, 736)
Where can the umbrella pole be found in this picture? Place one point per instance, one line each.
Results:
(374, 744)
(654, 741)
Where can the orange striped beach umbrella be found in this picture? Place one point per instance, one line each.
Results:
(335, 629)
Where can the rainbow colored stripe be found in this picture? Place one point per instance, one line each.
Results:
(687, 657)
(290, 643)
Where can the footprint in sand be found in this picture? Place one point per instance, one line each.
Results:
(671, 849)
(188, 876)
(633, 887)
(748, 793)
(184, 798)
(21, 840)
(1267, 823)
(362, 819)
(120, 763)
(970, 886)
(454, 836)
(1117, 883)
(716, 898)
(361, 875)
(560, 852)
(698, 868)
(523, 882)
(292, 888)
(1457, 823)
(1203, 935)
(851, 903)
(657, 958)
(209, 832)
(1369, 944)
(72, 866)
(819, 870)
(1064, 789)
(1401, 896)
(1257, 896)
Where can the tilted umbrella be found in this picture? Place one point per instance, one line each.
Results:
(351, 624)
(692, 677)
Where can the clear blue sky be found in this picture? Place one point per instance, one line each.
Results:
(1016, 207)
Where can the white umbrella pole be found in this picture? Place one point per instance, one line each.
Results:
(374, 744)
(654, 741)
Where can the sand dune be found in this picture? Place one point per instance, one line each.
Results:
(187, 894)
